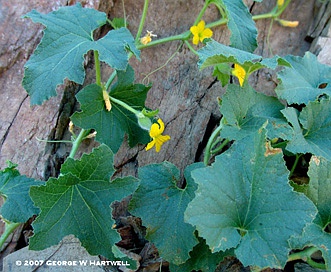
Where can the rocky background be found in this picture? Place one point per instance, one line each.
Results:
(185, 96)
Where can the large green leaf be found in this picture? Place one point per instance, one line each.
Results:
(201, 259)
(14, 188)
(244, 201)
(161, 205)
(112, 125)
(305, 81)
(240, 23)
(78, 203)
(246, 110)
(315, 134)
(68, 36)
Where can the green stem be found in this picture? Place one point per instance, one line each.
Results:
(191, 47)
(210, 142)
(97, 68)
(142, 21)
(9, 229)
(314, 264)
(110, 80)
(75, 145)
(219, 148)
(124, 105)
(297, 157)
(202, 11)
(180, 37)
(305, 256)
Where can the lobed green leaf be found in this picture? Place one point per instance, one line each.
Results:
(161, 205)
(68, 36)
(240, 23)
(78, 203)
(201, 259)
(305, 81)
(246, 110)
(112, 125)
(311, 129)
(14, 189)
(244, 201)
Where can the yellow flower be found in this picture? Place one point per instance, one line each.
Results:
(156, 133)
(288, 23)
(147, 38)
(200, 32)
(240, 73)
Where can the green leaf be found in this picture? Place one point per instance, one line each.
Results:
(305, 81)
(112, 125)
(68, 36)
(246, 110)
(215, 54)
(201, 259)
(14, 188)
(78, 203)
(222, 71)
(240, 23)
(319, 187)
(244, 201)
(117, 23)
(314, 135)
(159, 195)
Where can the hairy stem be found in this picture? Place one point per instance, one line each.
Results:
(75, 145)
(142, 21)
(9, 229)
(213, 136)
(97, 68)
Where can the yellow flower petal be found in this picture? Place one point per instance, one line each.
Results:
(160, 140)
(201, 26)
(196, 39)
(207, 33)
(150, 145)
(240, 73)
(194, 30)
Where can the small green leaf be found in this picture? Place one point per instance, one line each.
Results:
(117, 23)
(78, 203)
(201, 259)
(314, 136)
(159, 195)
(112, 125)
(68, 36)
(244, 201)
(215, 53)
(305, 81)
(222, 71)
(14, 188)
(240, 23)
(246, 110)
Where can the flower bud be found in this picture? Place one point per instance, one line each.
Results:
(288, 23)
(280, 3)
